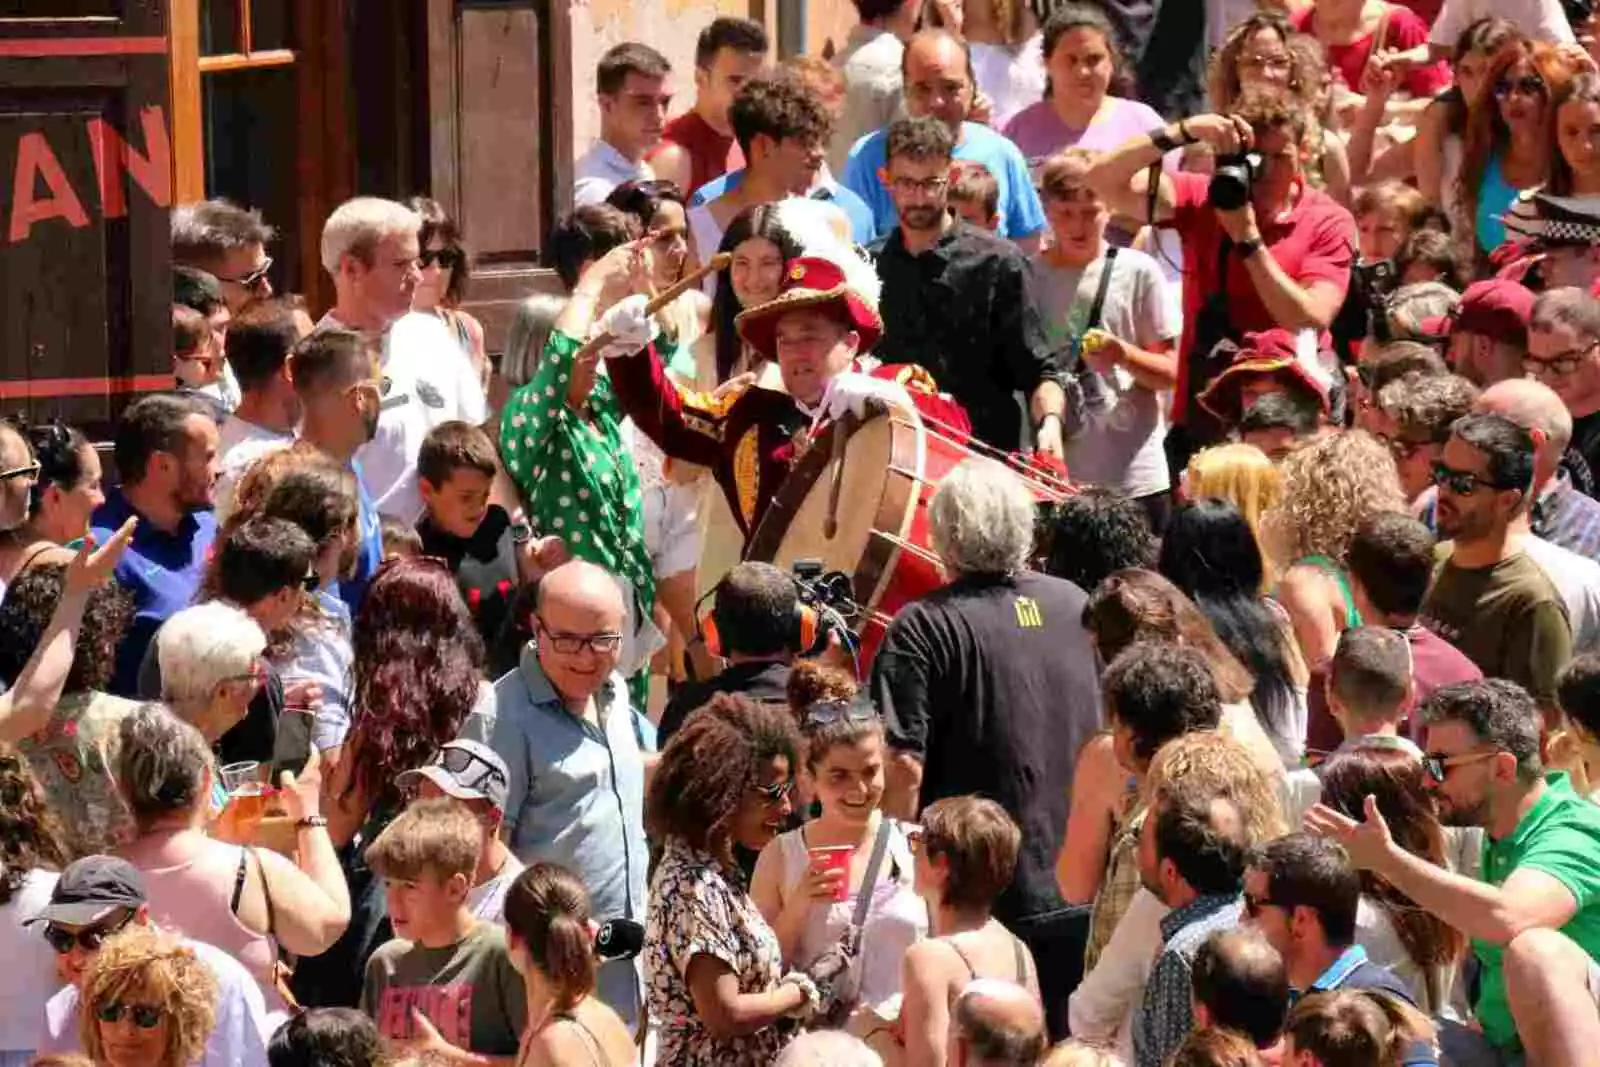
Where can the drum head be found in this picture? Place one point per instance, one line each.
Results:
(795, 526)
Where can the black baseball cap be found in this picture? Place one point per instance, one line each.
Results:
(90, 889)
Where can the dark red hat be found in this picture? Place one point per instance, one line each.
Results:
(1497, 307)
(810, 282)
(1270, 353)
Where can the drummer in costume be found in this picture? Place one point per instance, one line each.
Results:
(748, 433)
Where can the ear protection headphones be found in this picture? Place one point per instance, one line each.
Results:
(807, 638)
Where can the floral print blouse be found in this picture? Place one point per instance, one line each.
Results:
(698, 908)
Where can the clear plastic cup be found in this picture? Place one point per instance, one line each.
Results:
(235, 775)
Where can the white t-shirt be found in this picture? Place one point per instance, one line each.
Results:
(602, 169)
(488, 901)
(240, 443)
(1577, 579)
(1012, 78)
(239, 1038)
(430, 381)
(1542, 20)
(1121, 448)
(30, 971)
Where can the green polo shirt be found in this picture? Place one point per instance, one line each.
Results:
(1560, 836)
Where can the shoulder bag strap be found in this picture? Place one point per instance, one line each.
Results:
(1097, 308)
(869, 883)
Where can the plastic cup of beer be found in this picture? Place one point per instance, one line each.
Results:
(832, 858)
(235, 775)
(247, 798)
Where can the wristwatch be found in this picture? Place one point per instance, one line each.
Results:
(1248, 247)
(311, 822)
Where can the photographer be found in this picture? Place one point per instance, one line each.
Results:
(1262, 248)
(754, 626)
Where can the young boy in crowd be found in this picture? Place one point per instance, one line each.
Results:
(975, 195)
(399, 540)
(1369, 690)
(446, 983)
(195, 361)
(455, 471)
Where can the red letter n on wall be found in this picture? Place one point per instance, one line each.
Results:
(113, 157)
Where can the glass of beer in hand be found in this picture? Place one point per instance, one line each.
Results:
(247, 801)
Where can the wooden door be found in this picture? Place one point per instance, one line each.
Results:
(85, 183)
(491, 143)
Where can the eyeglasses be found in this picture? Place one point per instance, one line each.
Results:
(256, 675)
(1461, 483)
(1527, 85)
(1261, 62)
(776, 793)
(29, 472)
(572, 644)
(1436, 765)
(253, 279)
(90, 940)
(144, 1016)
(924, 187)
(1559, 365)
(1254, 906)
(449, 258)
(824, 712)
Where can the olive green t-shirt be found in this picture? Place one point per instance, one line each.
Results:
(1507, 618)
(469, 991)
(1560, 836)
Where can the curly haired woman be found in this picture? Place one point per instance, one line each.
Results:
(147, 1002)
(712, 965)
(1330, 488)
(30, 856)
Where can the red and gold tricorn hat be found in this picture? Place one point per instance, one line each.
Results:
(811, 282)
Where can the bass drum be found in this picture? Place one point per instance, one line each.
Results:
(857, 502)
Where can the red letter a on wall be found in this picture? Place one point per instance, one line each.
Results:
(112, 156)
(35, 160)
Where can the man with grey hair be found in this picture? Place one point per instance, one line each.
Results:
(1541, 856)
(1564, 353)
(988, 686)
(228, 242)
(996, 1023)
(827, 1048)
(211, 665)
(370, 248)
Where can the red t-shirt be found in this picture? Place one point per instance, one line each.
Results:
(711, 155)
(1435, 663)
(1314, 242)
(1406, 30)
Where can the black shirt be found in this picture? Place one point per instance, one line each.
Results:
(485, 566)
(965, 311)
(765, 681)
(992, 682)
(1586, 445)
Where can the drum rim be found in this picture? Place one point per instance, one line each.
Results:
(898, 496)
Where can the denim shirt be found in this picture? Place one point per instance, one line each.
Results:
(576, 794)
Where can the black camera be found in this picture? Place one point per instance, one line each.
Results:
(831, 594)
(1232, 180)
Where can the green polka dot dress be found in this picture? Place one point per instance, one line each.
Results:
(577, 477)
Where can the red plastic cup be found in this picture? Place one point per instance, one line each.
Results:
(835, 858)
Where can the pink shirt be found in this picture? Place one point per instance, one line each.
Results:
(1406, 30)
(1040, 133)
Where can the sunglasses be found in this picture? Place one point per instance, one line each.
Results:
(1254, 906)
(1462, 483)
(30, 472)
(824, 712)
(446, 257)
(469, 768)
(1527, 85)
(572, 644)
(254, 278)
(90, 940)
(144, 1016)
(1436, 765)
(776, 793)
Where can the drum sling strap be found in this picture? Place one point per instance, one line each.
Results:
(1097, 309)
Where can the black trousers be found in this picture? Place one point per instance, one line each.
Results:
(1057, 940)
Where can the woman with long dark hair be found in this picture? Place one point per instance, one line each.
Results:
(760, 246)
(1210, 552)
(1575, 149)
(30, 859)
(1419, 947)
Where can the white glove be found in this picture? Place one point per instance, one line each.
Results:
(630, 326)
(853, 392)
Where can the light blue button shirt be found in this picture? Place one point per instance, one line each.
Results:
(576, 797)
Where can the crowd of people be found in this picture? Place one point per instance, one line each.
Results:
(406, 695)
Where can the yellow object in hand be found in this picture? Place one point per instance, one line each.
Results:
(1094, 340)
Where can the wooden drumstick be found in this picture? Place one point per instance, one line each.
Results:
(677, 289)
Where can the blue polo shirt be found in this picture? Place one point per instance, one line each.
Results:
(1021, 213)
(1352, 970)
(863, 226)
(162, 570)
(369, 547)
(575, 796)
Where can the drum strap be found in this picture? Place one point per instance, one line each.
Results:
(1097, 308)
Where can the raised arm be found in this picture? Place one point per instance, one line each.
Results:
(1121, 177)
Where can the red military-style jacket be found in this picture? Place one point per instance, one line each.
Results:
(749, 436)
